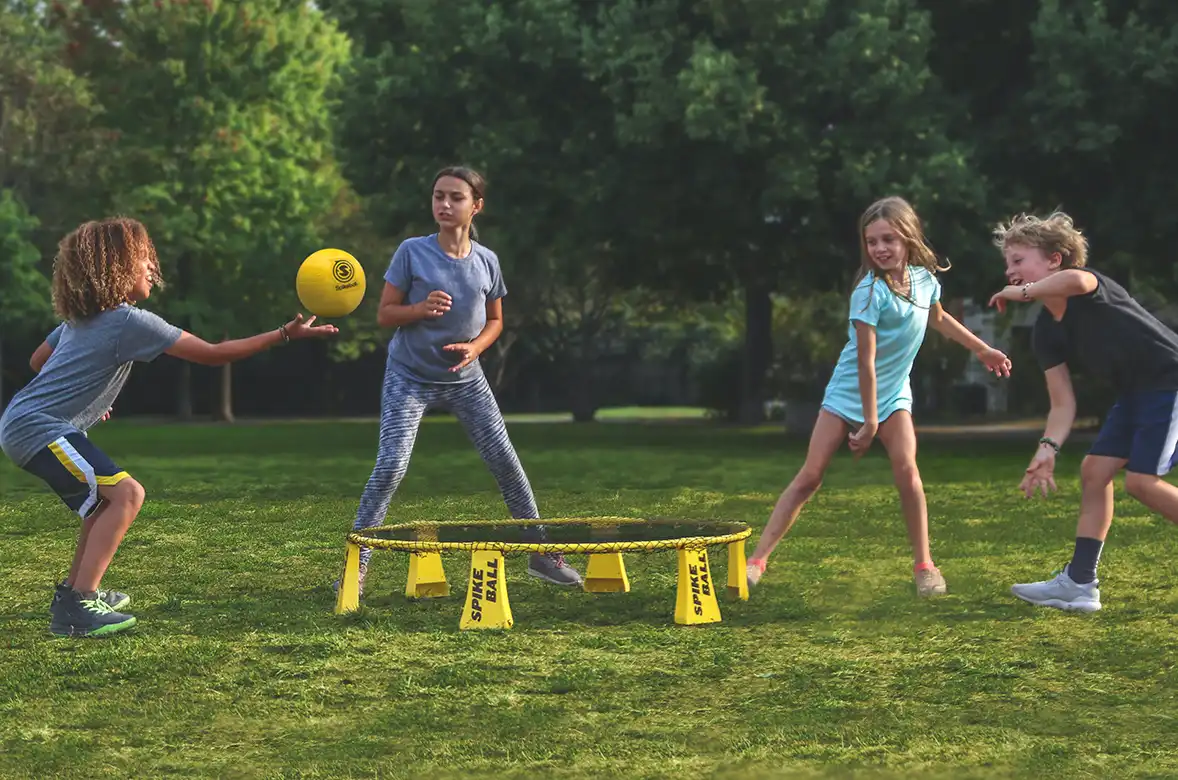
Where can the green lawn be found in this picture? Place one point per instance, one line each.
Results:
(239, 668)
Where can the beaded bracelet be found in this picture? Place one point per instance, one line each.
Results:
(1052, 443)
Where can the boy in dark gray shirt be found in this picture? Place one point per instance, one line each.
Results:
(101, 270)
(1090, 322)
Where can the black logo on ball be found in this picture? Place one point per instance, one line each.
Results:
(342, 271)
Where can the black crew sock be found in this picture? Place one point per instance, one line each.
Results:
(1082, 569)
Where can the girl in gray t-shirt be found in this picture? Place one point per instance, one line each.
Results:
(101, 271)
(444, 295)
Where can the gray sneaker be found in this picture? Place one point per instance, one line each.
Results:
(363, 576)
(85, 615)
(1062, 592)
(113, 598)
(551, 567)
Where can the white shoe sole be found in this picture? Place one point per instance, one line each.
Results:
(1066, 606)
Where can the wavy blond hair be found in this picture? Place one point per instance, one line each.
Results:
(1056, 233)
(97, 266)
(898, 213)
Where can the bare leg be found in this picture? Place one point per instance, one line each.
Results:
(1096, 498)
(827, 436)
(898, 436)
(1155, 492)
(98, 543)
(87, 524)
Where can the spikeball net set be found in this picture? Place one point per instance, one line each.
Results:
(604, 539)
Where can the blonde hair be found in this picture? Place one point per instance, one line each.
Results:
(1057, 233)
(898, 213)
(97, 266)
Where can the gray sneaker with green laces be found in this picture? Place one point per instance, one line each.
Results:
(85, 615)
(113, 598)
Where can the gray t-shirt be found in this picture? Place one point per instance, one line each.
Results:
(419, 267)
(79, 383)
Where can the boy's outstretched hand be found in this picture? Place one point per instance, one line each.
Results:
(1040, 475)
(298, 329)
(1008, 293)
(995, 360)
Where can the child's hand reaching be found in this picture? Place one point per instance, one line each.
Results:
(1040, 475)
(298, 329)
(467, 354)
(995, 360)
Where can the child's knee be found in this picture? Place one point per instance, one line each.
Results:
(907, 475)
(126, 493)
(1096, 472)
(807, 482)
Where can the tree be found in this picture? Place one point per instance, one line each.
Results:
(222, 114)
(747, 153)
(24, 290)
(501, 87)
(50, 151)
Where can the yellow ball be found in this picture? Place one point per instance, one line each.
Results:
(330, 283)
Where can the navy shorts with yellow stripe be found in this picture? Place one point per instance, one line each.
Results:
(74, 467)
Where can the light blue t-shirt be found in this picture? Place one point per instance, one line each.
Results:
(899, 332)
(91, 361)
(419, 266)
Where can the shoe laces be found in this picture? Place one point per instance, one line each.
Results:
(96, 604)
(557, 559)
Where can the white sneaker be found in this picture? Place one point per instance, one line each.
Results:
(1061, 593)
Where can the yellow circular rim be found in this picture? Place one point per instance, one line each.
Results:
(428, 546)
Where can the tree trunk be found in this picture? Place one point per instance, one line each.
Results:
(225, 405)
(758, 353)
(184, 392)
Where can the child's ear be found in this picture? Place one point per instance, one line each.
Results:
(1056, 260)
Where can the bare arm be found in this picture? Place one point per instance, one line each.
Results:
(866, 340)
(196, 350)
(394, 312)
(1062, 284)
(1040, 475)
(494, 327)
(948, 326)
(1063, 404)
(860, 440)
(40, 357)
(479, 344)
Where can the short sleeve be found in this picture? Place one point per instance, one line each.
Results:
(866, 302)
(935, 294)
(498, 286)
(145, 336)
(55, 336)
(400, 273)
(1049, 342)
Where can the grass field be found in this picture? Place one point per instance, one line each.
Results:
(833, 669)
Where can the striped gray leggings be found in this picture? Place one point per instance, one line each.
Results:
(402, 405)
